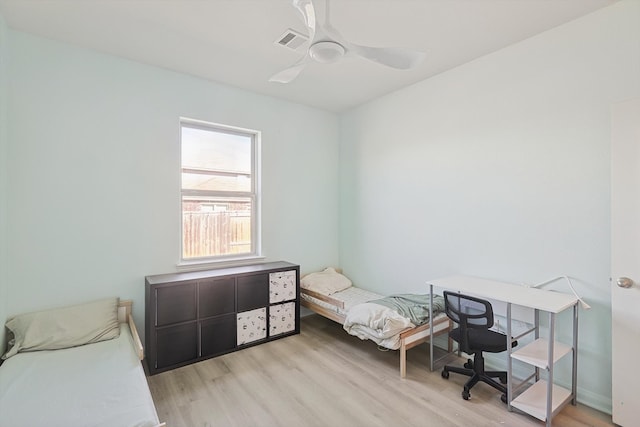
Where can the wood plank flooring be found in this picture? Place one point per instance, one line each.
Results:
(325, 377)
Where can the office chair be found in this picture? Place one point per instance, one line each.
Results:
(474, 317)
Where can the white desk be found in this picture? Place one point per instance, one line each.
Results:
(543, 399)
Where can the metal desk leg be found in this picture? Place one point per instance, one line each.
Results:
(574, 371)
(552, 318)
(431, 327)
(509, 359)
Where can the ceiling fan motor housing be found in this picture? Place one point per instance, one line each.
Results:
(326, 52)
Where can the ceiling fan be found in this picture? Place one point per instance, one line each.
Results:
(327, 45)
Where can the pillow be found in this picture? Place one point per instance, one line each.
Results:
(325, 282)
(63, 327)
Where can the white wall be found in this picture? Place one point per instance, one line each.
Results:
(93, 168)
(3, 182)
(499, 169)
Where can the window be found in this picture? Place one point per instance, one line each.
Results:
(219, 192)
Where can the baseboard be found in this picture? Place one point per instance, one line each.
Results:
(595, 401)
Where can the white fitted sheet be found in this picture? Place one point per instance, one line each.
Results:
(94, 385)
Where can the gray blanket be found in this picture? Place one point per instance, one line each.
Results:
(414, 307)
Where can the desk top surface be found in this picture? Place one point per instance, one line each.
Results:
(541, 299)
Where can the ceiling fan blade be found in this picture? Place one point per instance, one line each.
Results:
(308, 12)
(402, 59)
(289, 74)
(391, 57)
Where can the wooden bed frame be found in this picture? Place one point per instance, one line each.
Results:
(409, 338)
(125, 316)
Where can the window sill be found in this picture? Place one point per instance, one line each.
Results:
(209, 264)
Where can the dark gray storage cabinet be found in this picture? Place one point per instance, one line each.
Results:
(197, 315)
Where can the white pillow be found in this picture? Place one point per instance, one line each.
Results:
(325, 282)
(63, 327)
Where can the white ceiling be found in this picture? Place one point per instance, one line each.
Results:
(232, 41)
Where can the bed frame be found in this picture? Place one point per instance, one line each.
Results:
(409, 338)
(125, 316)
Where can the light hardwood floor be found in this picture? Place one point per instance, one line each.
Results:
(325, 377)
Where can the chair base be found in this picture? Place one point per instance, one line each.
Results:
(475, 370)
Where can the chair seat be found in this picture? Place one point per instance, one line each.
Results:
(474, 317)
(482, 340)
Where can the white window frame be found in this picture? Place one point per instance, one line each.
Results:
(254, 194)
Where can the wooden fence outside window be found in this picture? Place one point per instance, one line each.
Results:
(208, 234)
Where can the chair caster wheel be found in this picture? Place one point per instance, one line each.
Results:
(445, 374)
(469, 364)
(504, 397)
(466, 395)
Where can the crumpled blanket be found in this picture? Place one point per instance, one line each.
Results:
(414, 307)
(375, 322)
(381, 321)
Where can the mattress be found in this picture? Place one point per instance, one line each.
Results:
(94, 385)
(350, 297)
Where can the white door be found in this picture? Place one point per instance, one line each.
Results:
(625, 261)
